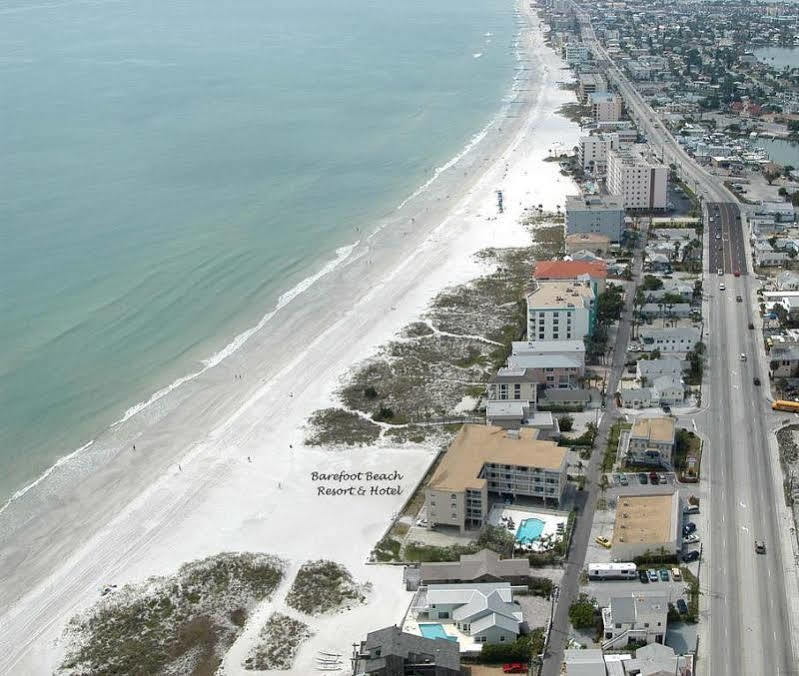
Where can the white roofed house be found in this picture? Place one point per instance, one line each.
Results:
(634, 617)
(666, 310)
(650, 369)
(483, 613)
(677, 339)
(668, 390)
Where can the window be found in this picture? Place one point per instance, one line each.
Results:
(646, 625)
(501, 638)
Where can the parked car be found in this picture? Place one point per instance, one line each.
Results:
(617, 478)
(666, 408)
(690, 509)
(664, 575)
(514, 668)
(676, 575)
(739, 299)
(751, 326)
(603, 541)
(688, 528)
(653, 575)
(662, 479)
(623, 480)
(690, 539)
(643, 576)
(756, 381)
(760, 546)
(653, 478)
(682, 606)
(690, 556)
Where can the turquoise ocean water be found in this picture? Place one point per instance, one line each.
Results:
(168, 169)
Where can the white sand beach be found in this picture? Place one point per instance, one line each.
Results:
(190, 491)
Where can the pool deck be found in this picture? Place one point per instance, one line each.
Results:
(466, 644)
(519, 513)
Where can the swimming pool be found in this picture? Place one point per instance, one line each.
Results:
(529, 530)
(435, 631)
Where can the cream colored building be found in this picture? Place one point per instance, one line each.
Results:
(485, 459)
(587, 241)
(638, 178)
(560, 311)
(646, 524)
(605, 106)
(651, 441)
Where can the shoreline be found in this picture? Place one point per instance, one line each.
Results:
(218, 500)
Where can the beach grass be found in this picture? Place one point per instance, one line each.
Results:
(183, 623)
(278, 643)
(323, 587)
(335, 426)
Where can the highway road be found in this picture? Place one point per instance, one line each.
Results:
(744, 592)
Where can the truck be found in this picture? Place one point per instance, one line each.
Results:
(784, 405)
(612, 571)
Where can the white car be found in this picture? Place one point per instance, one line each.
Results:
(743, 357)
(690, 539)
(722, 287)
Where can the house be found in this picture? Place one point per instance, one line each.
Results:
(684, 291)
(551, 371)
(589, 662)
(484, 566)
(637, 617)
(787, 280)
(671, 310)
(655, 659)
(590, 273)
(657, 262)
(765, 254)
(650, 369)
(561, 311)
(485, 459)
(635, 397)
(592, 242)
(576, 399)
(784, 360)
(668, 389)
(595, 215)
(669, 340)
(646, 524)
(484, 612)
(650, 441)
(513, 384)
(393, 652)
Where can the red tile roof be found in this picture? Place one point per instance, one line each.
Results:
(569, 269)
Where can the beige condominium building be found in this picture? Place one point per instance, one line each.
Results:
(560, 311)
(651, 441)
(638, 178)
(646, 524)
(485, 459)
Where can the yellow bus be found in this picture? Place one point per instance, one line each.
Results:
(782, 405)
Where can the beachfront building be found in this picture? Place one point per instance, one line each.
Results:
(560, 311)
(574, 349)
(393, 652)
(635, 175)
(482, 613)
(549, 371)
(593, 273)
(580, 243)
(484, 566)
(486, 459)
(646, 525)
(513, 384)
(592, 152)
(605, 106)
(650, 441)
(589, 83)
(634, 617)
(595, 215)
(576, 53)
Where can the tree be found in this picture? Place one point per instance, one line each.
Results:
(566, 423)
(652, 283)
(770, 175)
(582, 612)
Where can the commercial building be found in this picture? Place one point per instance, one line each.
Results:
(635, 617)
(605, 106)
(645, 525)
(650, 441)
(594, 214)
(392, 652)
(560, 311)
(593, 273)
(638, 178)
(485, 459)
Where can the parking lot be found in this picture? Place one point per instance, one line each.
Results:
(602, 591)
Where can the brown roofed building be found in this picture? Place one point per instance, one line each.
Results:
(485, 459)
(646, 524)
(484, 566)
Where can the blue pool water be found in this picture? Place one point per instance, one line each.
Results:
(435, 631)
(529, 530)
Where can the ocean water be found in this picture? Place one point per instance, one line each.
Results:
(169, 169)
